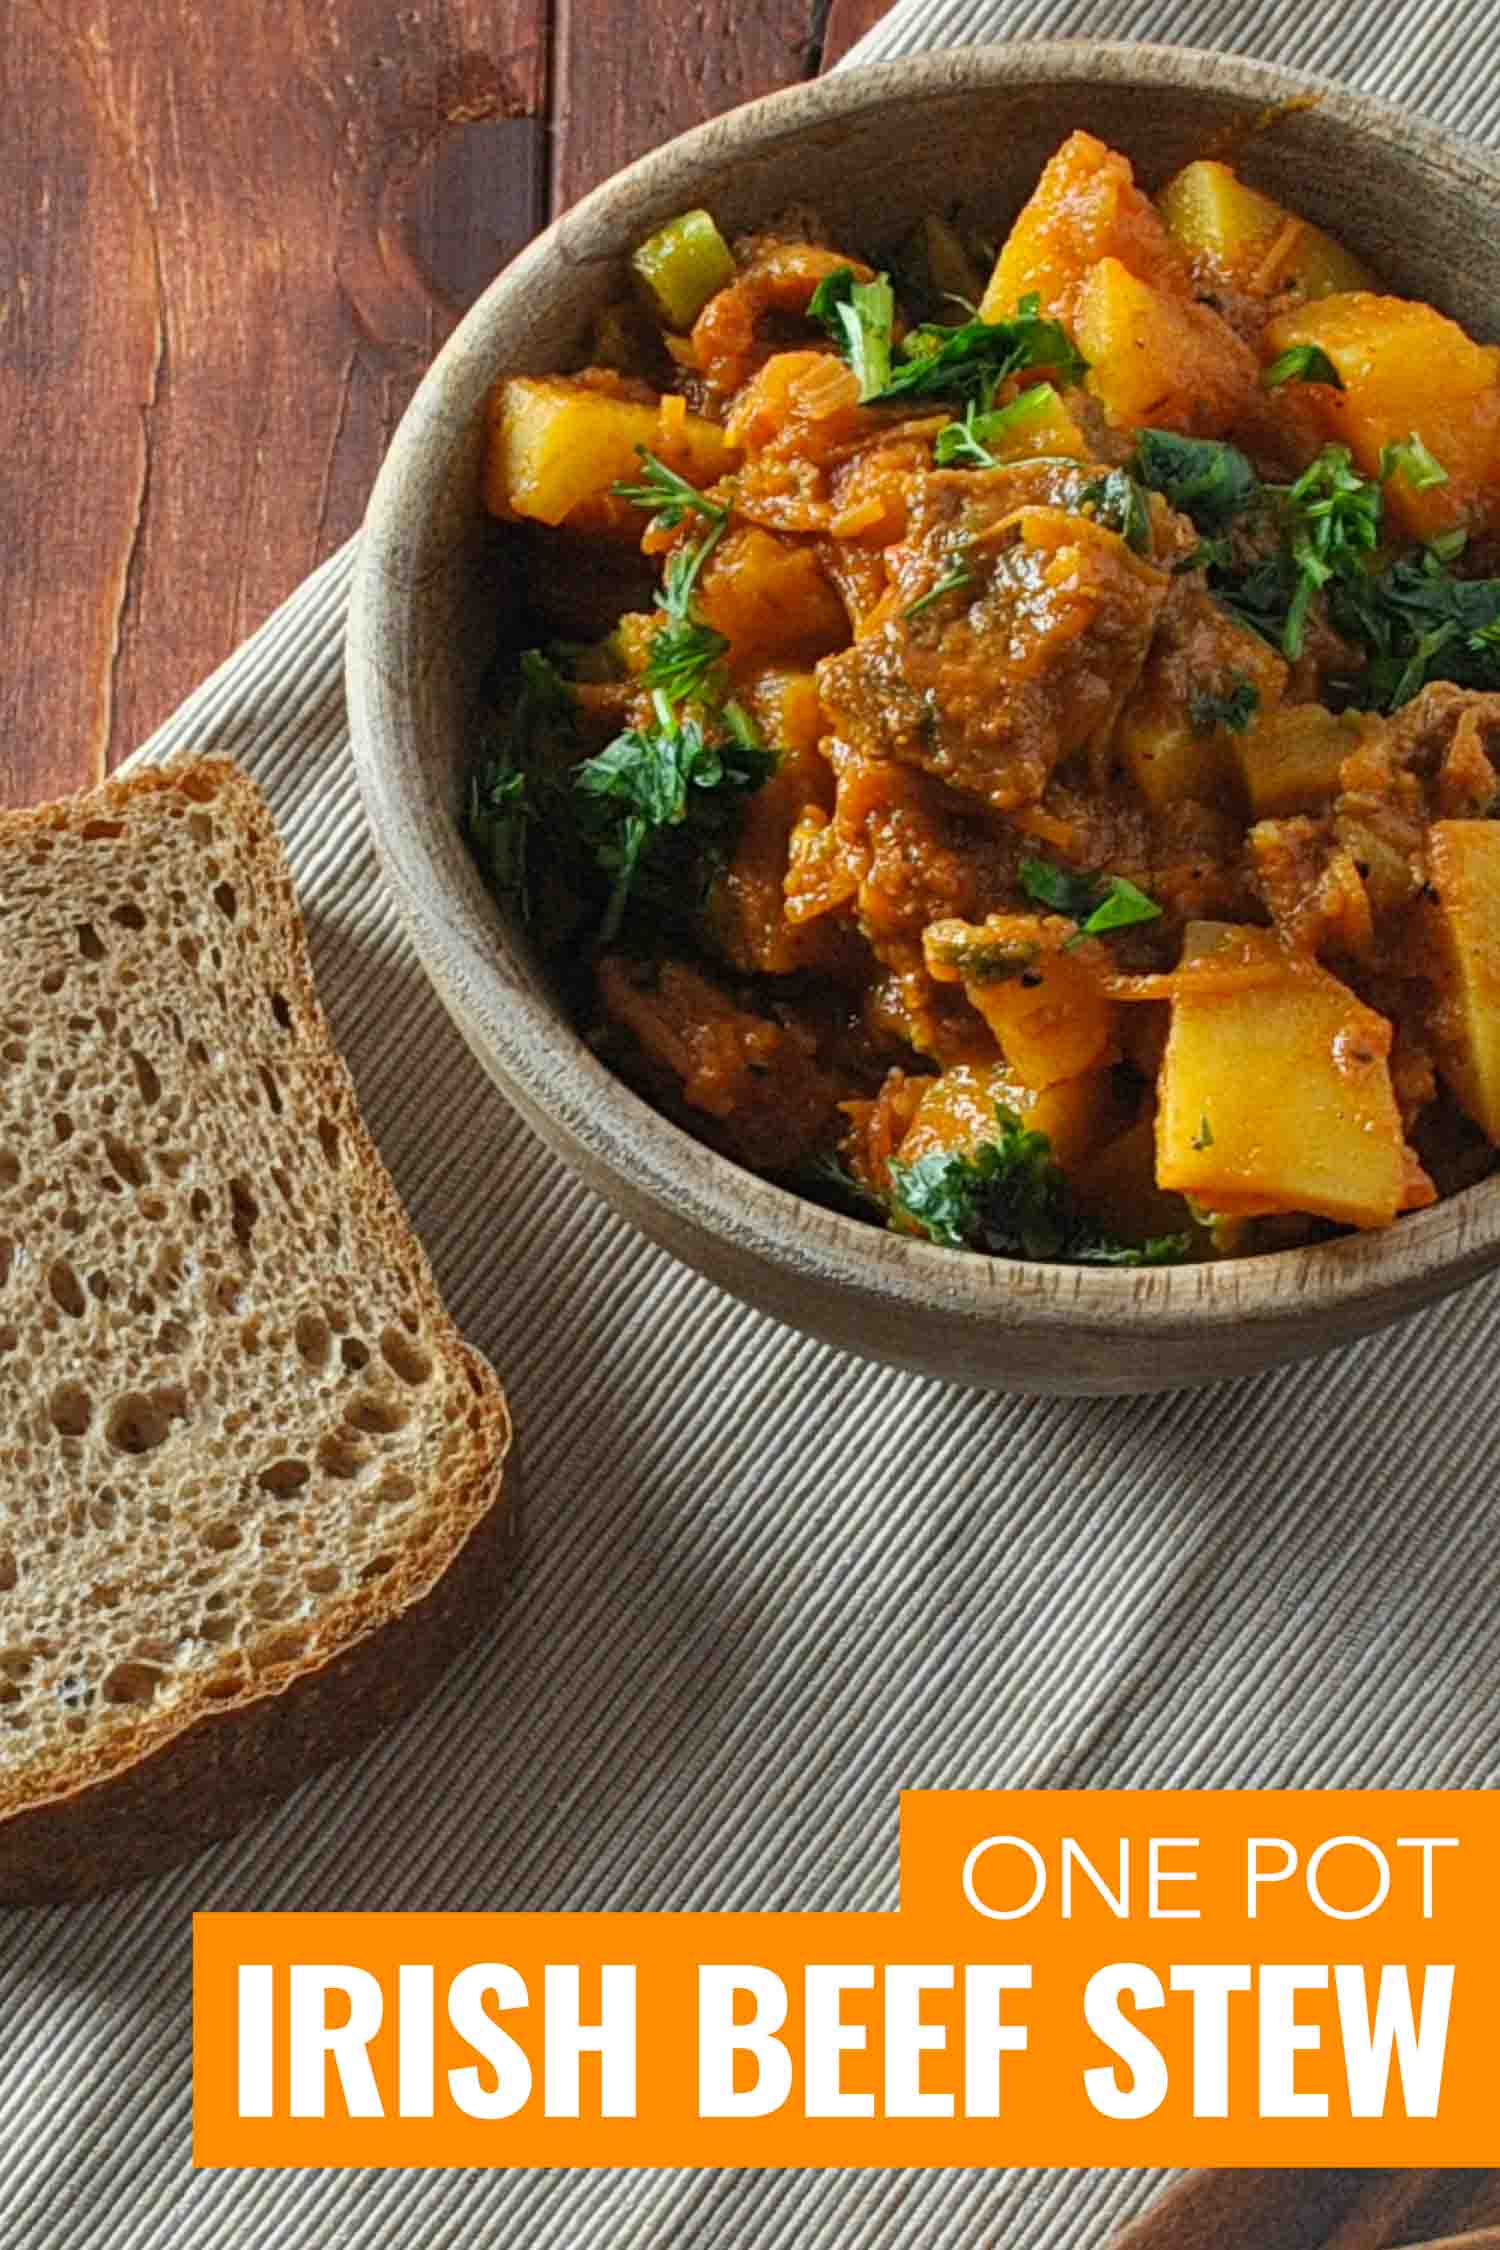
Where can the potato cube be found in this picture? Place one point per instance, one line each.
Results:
(957, 1111)
(555, 446)
(1289, 759)
(1406, 369)
(1236, 235)
(770, 598)
(1085, 206)
(1036, 422)
(1157, 359)
(1275, 1091)
(1042, 1000)
(1464, 863)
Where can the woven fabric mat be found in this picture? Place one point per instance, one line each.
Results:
(765, 1586)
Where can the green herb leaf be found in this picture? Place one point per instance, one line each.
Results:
(660, 799)
(1303, 363)
(1331, 522)
(966, 362)
(1156, 1250)
(1208, 482)
(685, 660)
(1410, 458)
(972, 361)
(1232, 707)
(860, 316)
(1121, 907)
(1204, 1137)
(1419, 623)
(514, 779)
(686, 654)
(1119, 503)
(669, 495)
(1115, 906)
(1063, 889)
(1008, 1197)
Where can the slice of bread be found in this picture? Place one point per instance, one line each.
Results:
(250, 1476)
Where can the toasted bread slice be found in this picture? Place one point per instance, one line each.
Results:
(250, 1476)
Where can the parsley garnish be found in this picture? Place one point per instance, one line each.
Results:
(967, 444)
(860, 317)
(1117, 906)
(651, 787)
(1419, 623)
(967, 362)
(1303, 363)
(669, 495)
(1204, 1137)
(1410, 457)
(1208, 482)
(1233, 707)
(1331, 521)
(1007, 1197)
(686, 654)
(517, 779)
(1120, 505)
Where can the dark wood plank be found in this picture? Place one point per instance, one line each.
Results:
(79, 340)
(230, 239)
(629, 74)
(242, 233)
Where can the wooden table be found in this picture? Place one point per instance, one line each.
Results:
(231, 238)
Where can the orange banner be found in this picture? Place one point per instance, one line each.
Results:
(1099, 1977)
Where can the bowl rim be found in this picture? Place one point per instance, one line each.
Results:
(671, 1184)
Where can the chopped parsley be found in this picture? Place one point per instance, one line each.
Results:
(1120, 505)
(670, 496)
(1008, 1198)
(860, 316)
(1414, 621)
(1233, 706)
(1204, 1137)
(671, 776)
(650, 818)
(1331, 522)
(967, 444)
(1419, 623)
(968, 362)
(1409, 458)
(1303, 363)
(1208, 482)
(1117, 905)
(518, 776)
(686, 654)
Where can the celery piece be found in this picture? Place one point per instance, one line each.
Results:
(681, 266)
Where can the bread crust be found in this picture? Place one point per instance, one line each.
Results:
(202, 1767)
(227, 1768)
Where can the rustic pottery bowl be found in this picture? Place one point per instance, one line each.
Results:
(871, 150)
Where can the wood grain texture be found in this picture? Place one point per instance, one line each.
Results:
(629, 77)
(230, 240)
(236, 235)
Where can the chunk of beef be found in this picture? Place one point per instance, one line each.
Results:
(1015, 626)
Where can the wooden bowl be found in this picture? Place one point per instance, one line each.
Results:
(871, 150)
